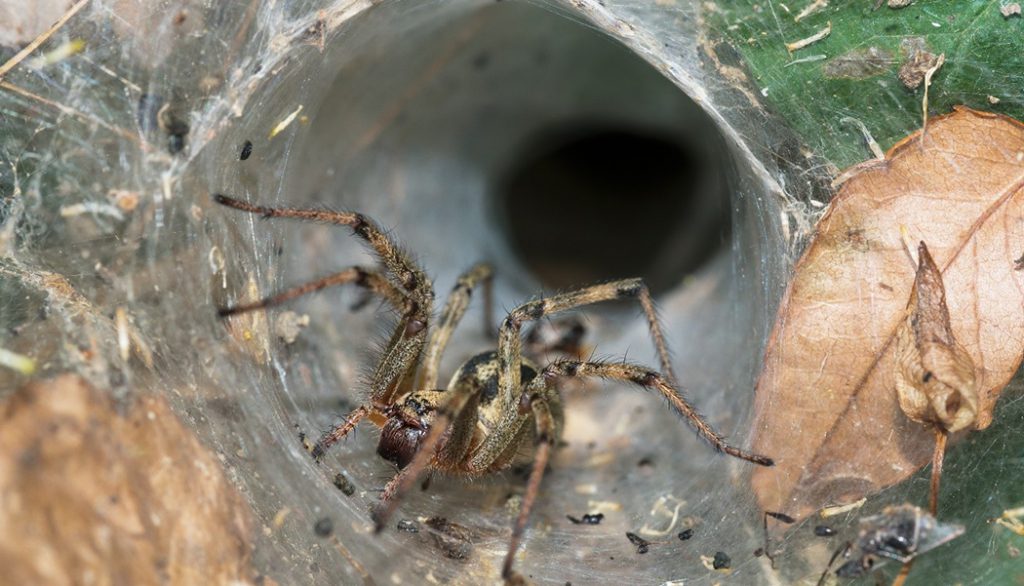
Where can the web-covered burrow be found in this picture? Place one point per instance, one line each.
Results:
(459, 126)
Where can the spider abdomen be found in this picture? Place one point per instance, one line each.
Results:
(481, 373)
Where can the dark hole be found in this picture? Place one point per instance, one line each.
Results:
(591, 203)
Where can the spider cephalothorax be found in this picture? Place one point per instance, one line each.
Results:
(497, 402)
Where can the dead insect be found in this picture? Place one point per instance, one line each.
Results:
(246, 151)
(685, 534)
(722, 561)
(454, 540)
(497, 402)
(900, 533)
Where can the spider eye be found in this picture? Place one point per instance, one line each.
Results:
(399, 441)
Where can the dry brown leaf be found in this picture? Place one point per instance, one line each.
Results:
(826, 404)
(94, 494)
(935, 382)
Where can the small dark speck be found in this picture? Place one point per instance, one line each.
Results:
(408, 526)
(824, 531)
(646, 462)
(324, 527)
(175, 143)
(721, 561)
(642, 545)
(759, 552)
(685, 534)
(246, 150)
(780, 516)
(588, 519)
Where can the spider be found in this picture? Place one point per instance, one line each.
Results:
(497, 403)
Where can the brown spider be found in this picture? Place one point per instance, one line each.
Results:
(497, 402)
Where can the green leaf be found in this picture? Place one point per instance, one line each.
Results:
(983, 58)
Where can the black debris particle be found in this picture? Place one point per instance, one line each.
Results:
(454, 541)
(175, 143)
(780, 516)
(759, 552)
(721, 561)
(344, 484)
(172, 118)
(408, 526)
(824, 531)
(685, 534)
(324, 527)
(246, 150)
(588, 519)
(642, 545)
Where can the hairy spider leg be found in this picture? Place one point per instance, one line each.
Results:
(401, 269)
(540, 393)
(457, 410)
(458, 406)
(510, 344)
(454, 308)
(338, 431)
(402, 353)
(639, 375)
(363, 277)
(374, 282)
